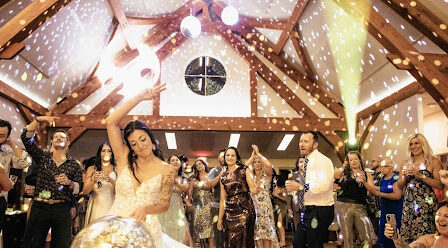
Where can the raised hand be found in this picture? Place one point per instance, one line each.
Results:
(50, 119)
(149, 94)
(255, 148)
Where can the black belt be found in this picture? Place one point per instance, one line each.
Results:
(310, 207)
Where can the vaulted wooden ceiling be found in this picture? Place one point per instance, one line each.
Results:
(273, 36)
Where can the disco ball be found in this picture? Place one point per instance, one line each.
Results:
(190, 27)
(229, 15)
(113, 231)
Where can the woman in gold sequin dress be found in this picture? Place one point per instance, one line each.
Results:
(201, 196)
(265, 231)
(237, 218)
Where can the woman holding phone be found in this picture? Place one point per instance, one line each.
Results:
(391, 201)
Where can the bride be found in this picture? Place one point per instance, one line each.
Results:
(144, 182)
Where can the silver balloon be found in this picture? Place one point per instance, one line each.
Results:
(113, 231)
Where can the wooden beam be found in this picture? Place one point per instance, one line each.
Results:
(74, 133)
(112, 99)
(28, 20)
(157, 34)
(253, 94)
(439, 60)
(298, 46)
(12, 50)
(262, 23)
(77, 96)
(208, 123)
(18, 97)
(265, 47)
(265, 72)
(292, 21)
(147, 20)
(26, 113)
(369, 126)
(261, 44)
(169, 47)
(337, 143)
(117, 9)
(391, 100)
(432, 80)
(422, 19)
(3, 2)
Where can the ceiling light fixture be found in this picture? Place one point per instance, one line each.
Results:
(234, 139)
(171, 141)
(285, 142)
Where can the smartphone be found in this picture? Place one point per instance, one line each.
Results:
(390, 219)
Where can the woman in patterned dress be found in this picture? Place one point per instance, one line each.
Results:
(265, 231)
(419, 176)
(201, 196)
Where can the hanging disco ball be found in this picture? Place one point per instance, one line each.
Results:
(190, 27)
(113, 231)
(229, 15)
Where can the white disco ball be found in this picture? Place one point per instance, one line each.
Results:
(190, 27)
(113, 231)
(229, 15)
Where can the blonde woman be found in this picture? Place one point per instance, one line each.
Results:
(420, 175)
(265, 231)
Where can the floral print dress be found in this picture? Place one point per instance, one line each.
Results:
(265, 224)
(419, 209)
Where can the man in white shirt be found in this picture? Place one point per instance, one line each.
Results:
(317, 192)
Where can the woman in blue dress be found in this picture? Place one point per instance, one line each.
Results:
(391, 200)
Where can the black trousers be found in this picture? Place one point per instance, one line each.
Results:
(312, 230)
(44, 216)
(2, 212)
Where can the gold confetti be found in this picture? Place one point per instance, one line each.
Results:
(249, 35)
(388, 153)
(437, 62)
(397, 61)
(270, 49)
(261, 37)
(435, 81)
(82, 118)
(442, 26)
(75, 95)
(413, 3)
(39, 77)
(22, 22)
(327, 123)
(103, 121)
(366, 146)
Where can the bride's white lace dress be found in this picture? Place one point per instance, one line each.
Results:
(128, 198)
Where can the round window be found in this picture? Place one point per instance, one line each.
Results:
(205, 76)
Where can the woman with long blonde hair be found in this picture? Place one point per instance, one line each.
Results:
(420, 174)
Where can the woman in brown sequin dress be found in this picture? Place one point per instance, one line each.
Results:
(237, 218)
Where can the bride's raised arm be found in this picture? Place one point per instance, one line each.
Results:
(113, 120)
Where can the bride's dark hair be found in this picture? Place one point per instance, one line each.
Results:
(132, 157)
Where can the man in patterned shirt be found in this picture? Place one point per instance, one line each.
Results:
(59, 178)
(10, 156)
